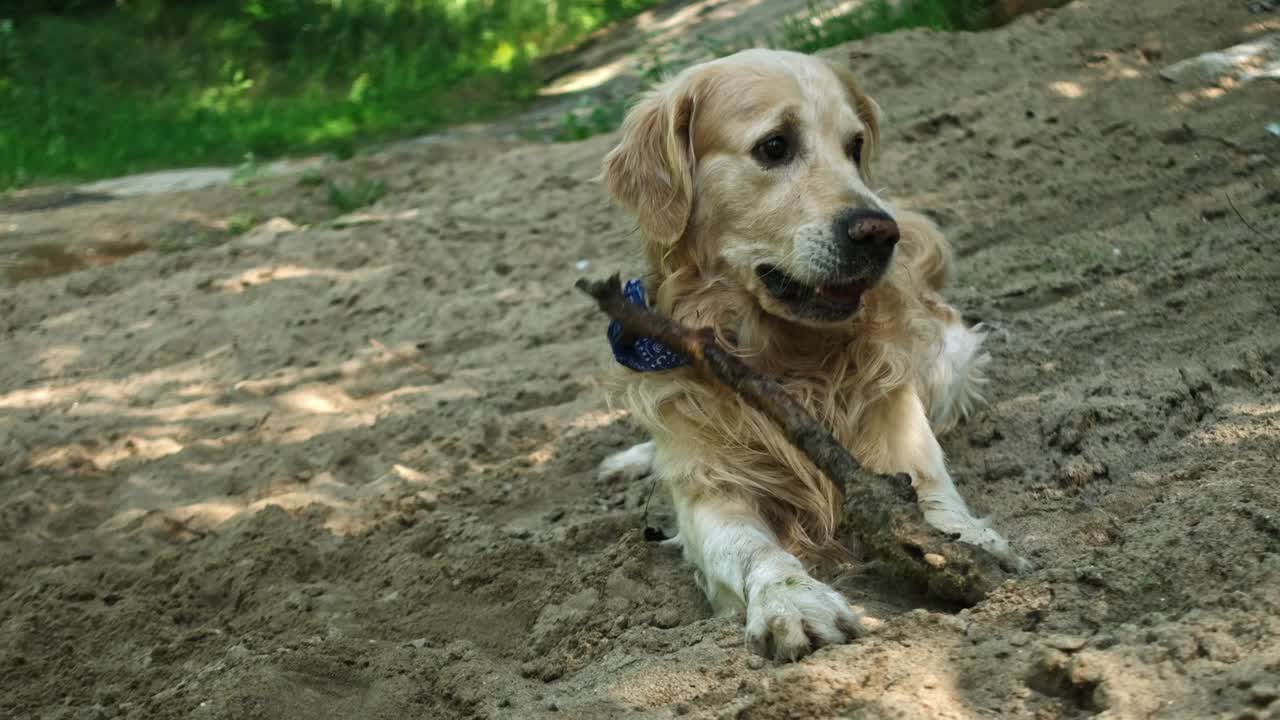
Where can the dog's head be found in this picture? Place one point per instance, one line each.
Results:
(755, 169)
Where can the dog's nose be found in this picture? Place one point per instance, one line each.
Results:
(868, 228)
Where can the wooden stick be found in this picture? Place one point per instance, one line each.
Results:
(881, 510)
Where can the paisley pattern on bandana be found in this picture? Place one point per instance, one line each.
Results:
(642, 354)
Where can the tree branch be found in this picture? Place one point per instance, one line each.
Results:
(881, 510)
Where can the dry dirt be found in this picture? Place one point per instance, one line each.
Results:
(347, 471)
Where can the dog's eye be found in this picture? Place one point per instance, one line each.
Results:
(773, 150)
(855, 151)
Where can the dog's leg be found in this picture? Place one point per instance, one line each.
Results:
(630, 464)
(742, 565)
(905, 442)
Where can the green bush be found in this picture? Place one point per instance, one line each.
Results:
(825, 26)
(90, 88)
(361, 192)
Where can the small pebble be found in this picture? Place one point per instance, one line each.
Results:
(666, 617)
(1264, 695)
(755, 662)
(1066, 643)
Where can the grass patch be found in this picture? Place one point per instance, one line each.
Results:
(311, 177)
(94, 88)
(359, 193)
(824, 26)
(607, 115)
(241, 223)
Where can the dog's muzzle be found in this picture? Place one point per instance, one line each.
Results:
(864, 244)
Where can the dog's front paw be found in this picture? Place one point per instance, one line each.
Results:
(979, 533)
(788, 618)
(630, 464)
(991, 541)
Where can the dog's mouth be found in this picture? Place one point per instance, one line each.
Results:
(827, 302)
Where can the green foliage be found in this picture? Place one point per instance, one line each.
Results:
(246, 170)
(240, 223)
(588, 119)
(90, 88)
(349, 197)
(311, 177)
(825, 26)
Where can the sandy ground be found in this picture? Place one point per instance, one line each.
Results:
(346, 471)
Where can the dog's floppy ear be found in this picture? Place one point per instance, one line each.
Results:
(868, 111)
(650, 172)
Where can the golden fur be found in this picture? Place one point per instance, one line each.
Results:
(683, 168)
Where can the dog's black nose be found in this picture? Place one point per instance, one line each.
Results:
(870, 229)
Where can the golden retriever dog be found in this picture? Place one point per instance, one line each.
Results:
(750, 179)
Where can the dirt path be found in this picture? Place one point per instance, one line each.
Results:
(346, 471)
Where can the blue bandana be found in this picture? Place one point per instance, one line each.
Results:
(643, 354)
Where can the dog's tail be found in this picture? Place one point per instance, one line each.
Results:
(925, 249)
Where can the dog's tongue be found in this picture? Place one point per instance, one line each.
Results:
(841, 294)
